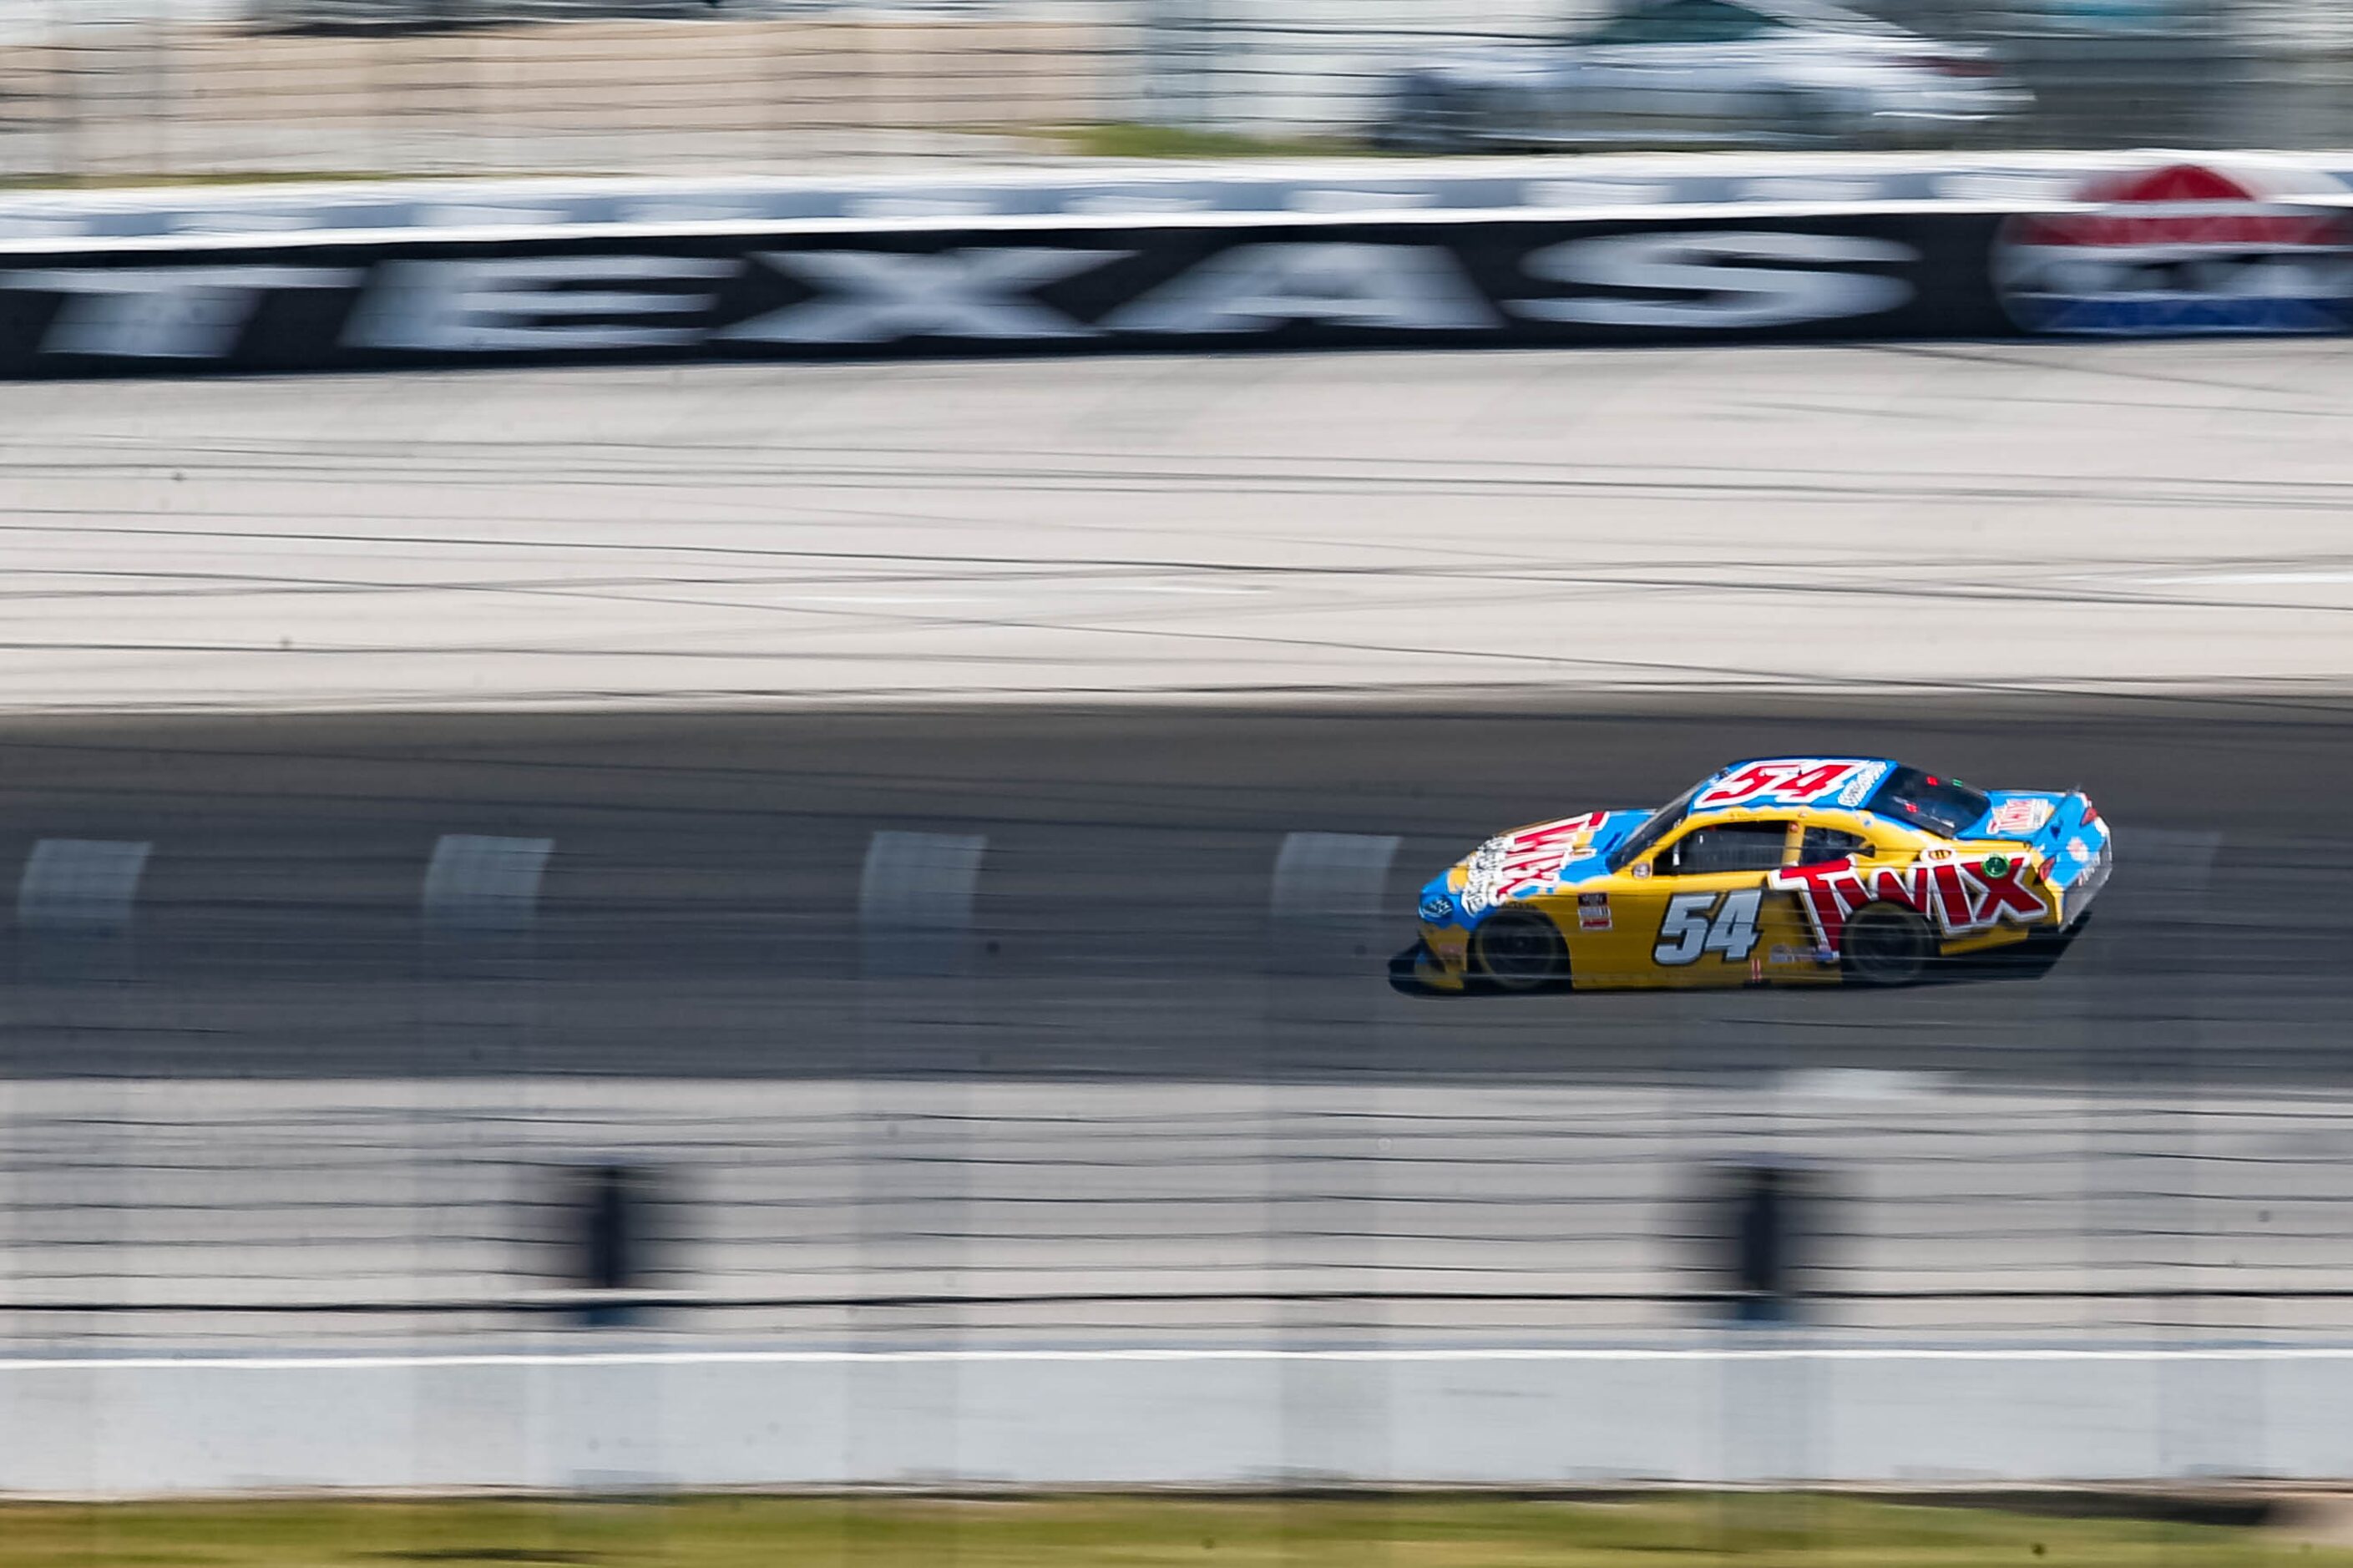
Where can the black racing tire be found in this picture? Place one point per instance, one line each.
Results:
(1517, 952)
(1887, 944)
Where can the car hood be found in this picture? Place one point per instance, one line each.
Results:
(1542, 857)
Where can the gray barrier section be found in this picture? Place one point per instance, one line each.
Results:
(1761, 1408)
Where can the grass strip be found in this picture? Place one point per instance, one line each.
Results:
(1127, 139)
(1643, 1531)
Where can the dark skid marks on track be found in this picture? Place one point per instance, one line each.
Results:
(699, 913)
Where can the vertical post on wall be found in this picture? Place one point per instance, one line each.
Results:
(612, 1240)
(1766, 1235)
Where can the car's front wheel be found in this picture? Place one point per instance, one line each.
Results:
(1519, 951)
(1887, 944)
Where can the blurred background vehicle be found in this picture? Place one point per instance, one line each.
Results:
(119, 89)
(1674, 73)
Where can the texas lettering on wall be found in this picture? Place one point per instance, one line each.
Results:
(265, 305)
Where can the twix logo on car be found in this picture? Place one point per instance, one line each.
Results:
(1502, 866)
(1965, 899)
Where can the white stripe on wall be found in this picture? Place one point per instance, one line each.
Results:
(484, 883)
(80, 884)
(915, 899)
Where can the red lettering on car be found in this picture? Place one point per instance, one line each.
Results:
(1964, 901)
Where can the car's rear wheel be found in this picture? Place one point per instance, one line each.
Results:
(1519, 951)
(1887, 944)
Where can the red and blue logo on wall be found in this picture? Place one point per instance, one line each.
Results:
(2184, 250)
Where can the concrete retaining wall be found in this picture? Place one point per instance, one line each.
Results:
(589, 1420)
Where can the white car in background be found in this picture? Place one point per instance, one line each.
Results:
(1669, 73)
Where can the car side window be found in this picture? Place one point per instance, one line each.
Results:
(1823, 845)
(1660, 24)
(1729, 847)
(1721, 24)
(1683, 22)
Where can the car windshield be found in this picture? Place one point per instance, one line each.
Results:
(1666, 816)
(1942, 805)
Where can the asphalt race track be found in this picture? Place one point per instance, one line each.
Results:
(699, 913)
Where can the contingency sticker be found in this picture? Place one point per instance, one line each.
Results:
(2016, 816)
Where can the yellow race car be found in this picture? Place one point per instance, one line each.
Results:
(1774, 872)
